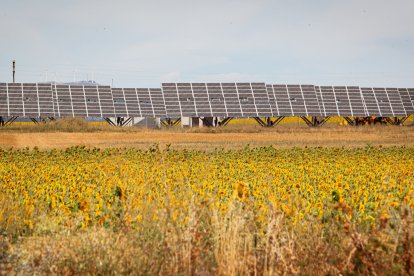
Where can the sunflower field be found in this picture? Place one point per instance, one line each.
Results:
(195, 207)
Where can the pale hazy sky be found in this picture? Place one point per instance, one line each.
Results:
(144, 43)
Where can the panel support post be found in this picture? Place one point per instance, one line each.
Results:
(323, 120)
(307, 121)
(125, 122)
(397, 121)
(208, 121)
(405, 118)
(119, 121)
(350, 121)
(278, 120)
(34, 121)
(8, 122)
(315, 121)
(269, 122)
(170, 122)
(224, 122)
(261, 122)
(109, 121)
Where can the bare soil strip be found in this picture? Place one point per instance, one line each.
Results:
(286, 137)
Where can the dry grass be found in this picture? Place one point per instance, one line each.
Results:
(212, 244)
(62, 125)
(206, 138)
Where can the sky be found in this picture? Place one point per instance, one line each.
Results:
(144, 43)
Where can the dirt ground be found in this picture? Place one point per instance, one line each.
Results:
(283, 137)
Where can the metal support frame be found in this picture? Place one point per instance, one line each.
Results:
(322, 121)
(269, 122)
(224, 122)
(351, 121)
(314, 121)
(34, 120)
(110, 122)
(206, 122)
(360, 121)
(216, 122)
(8, 122)
(170, 122)
(396, 121)
(120, 121)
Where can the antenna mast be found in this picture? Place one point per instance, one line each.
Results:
(14, 71)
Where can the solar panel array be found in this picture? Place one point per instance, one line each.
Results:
(83, 101)
(216, 99)
(26, 100)
(175, 100)
(293, 100)
(138, 102)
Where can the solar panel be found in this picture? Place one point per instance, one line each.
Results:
(106, 101)
(132, 102)
(407, 98)
(356, 101)
(386, 102)
(370, 102)
(293, 100)
(30, 100)
(84, 101)
(119, 100)
(93, 106)
(330, 106)
(311, 100)
(411, 93)
(216, 99)
(171, 100)
(4, 101)
(296, 100)
(342, 101)
(64, 104)
(246, 100)
(201, 99)
(320, 101)
(282, 104)
(45, 100)
(383, 102)
(189, 99)
(272, 101)
(145, 103)
(395, 101)
(158, 104)
(261, 99)
(138, 102)
(151, 102)
(237, 103)
(186, 99)
(253, 99)
(15, 96)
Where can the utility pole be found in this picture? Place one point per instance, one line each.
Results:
(14, 71)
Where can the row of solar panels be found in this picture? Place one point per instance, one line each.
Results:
(175, 100)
